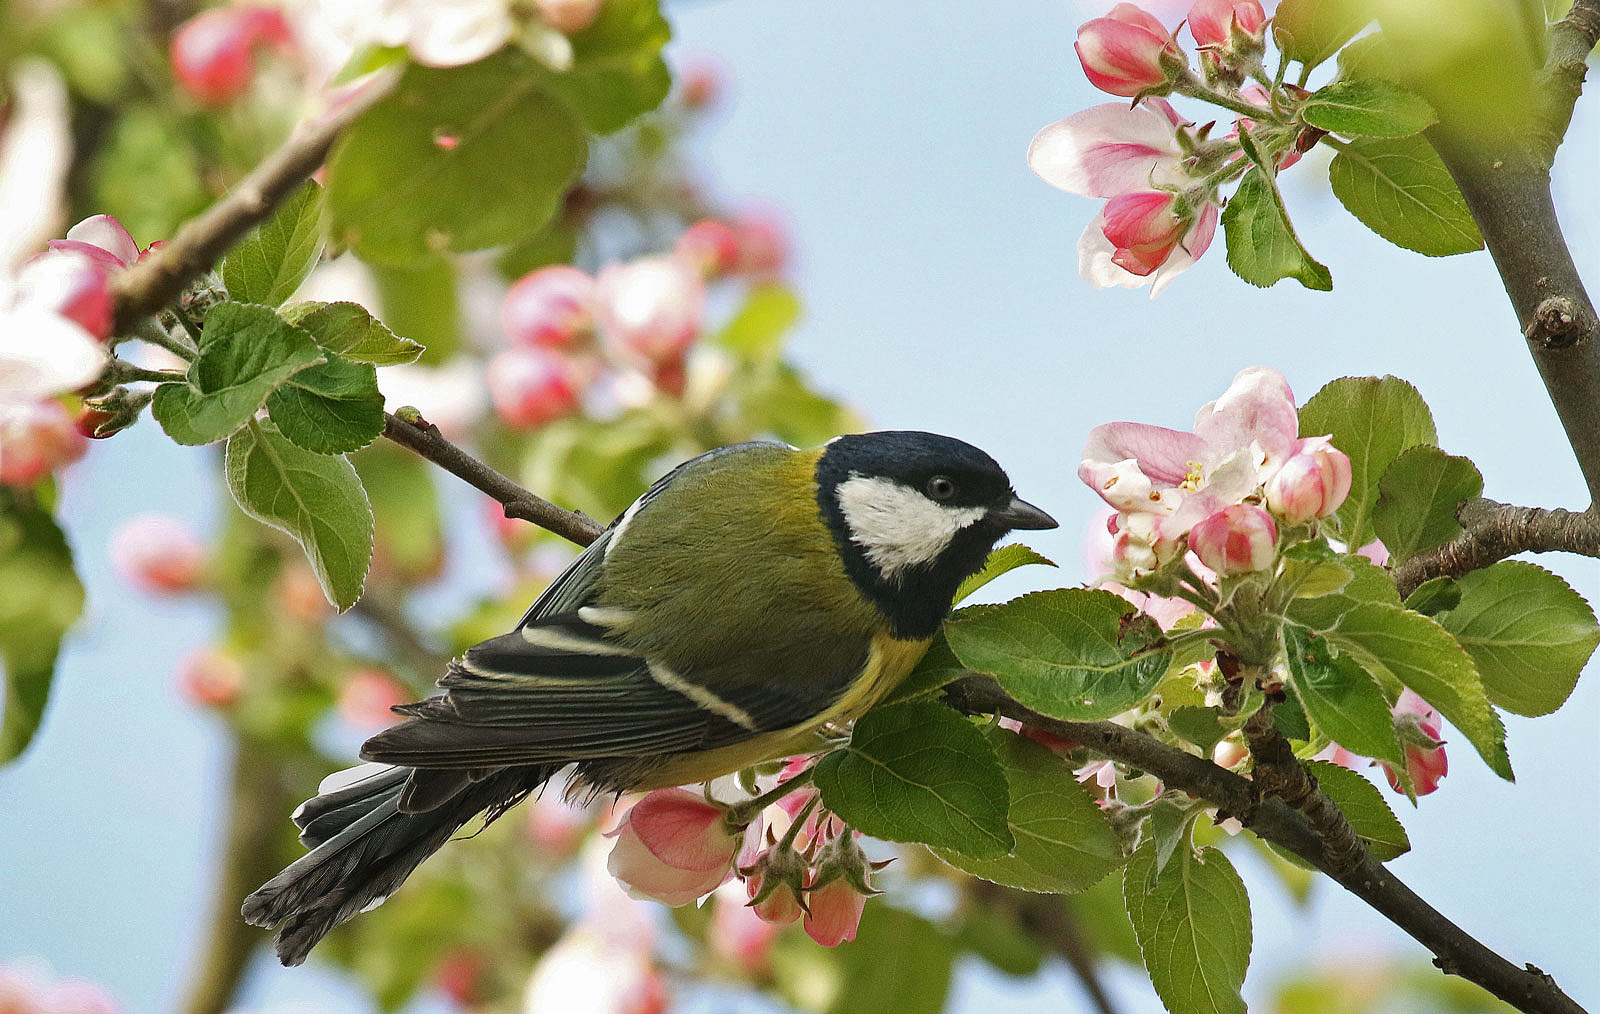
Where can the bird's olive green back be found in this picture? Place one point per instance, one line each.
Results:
(737, 544)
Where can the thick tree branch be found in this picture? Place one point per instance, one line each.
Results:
(1493, 531)
(1506, 182)
(1455, 951)
(199, 244)
(425, 438)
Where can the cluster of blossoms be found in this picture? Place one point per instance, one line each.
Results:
(796, 861)
(1159, 173)
(55, 323)
(635, 320)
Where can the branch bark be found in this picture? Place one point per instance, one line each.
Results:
(424, 438)
(1493, 531)
(1506, 183)
(1456, 952)
(199, 243)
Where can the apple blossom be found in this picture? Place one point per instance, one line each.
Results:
(1104, 263)
(437, 34)
(1238, 539)
(584, 973)
(44, 352)
(70, 285)
(35, 155)
(1127, 52)
(157, 553)
(27, 989)
(834, 912)
(699, 85)
(1164, 481)
(1313, 482)
(763, 243)
(213, 53)
(1230, 751)
(774, 881)
(739, 933)
(551, 307)
(1418, 727)
(36, 438)
(103, 238)
(211, 677)
(1229, 34)
(530, 386)
(674, 847)
(711, 245)
(1110, 149)
(650, 309)
(1144, 227)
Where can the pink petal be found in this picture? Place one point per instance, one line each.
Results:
(1187, 251)
(645, 876)
(107, 233)
(1107, 149)
(682, 830)
(1258, 407)
(1165, 455)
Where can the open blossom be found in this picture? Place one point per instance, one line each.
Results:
(674, 847)
(1105, 263)
(650, 309)
(1177, 479)
(1123, 53)
(438, 33)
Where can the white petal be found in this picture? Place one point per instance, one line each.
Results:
(43, 355)
(449, 33)
(35, 151)
(1106, 150)
(1094, 259)
(108, 234)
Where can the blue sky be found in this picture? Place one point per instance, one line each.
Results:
(941, 291)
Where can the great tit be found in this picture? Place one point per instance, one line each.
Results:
(753, 597)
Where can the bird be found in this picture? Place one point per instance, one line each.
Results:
(751, 599)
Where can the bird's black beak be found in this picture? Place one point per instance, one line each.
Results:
(1021, 515)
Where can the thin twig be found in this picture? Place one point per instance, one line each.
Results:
(157, 279)
(1493, 531)
(425, 438)
(1456, 951)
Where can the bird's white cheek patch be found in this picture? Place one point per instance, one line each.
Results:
(896, 526)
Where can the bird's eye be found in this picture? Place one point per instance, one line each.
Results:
(941, 487)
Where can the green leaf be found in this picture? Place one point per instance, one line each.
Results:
(246, 350)
(1434, 596)
(1418, 495)
(316, 498)
(1064, 653)
(1400, 190)
(270, 263)
(1311, 569)
(1310, 31)
(509, 152)
(1063, 843)
(420, 301)
(349, 330)
(1403, 648)
(1193, 926)
(915, 981)
(330, 408)
(1364, 807)
(1369, 108)
(43, 599)
(937, 668)
(1372, 420)
(756, 332)
(1262, 245)
(1340, 698)
(919, 772)
(1199, 726)
(405, 506)
(1528, 631)
(1000, 561)
(617, 72)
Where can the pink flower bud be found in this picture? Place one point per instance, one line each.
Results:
(1212, 22)
(530, 387)
(1122, 52)
(367, 697)
(72, 284)
(1418, 727)
(211, 677)
(551, 307)
(651, 309)
(157, 553)
(36, 438)
(1143, 228)
(835, 914)
(568, 16)
(1313, 482)
(213, 53)
(673, 847)
(460, 976)
(699, 85)
(712, 245)
(1238, 539)
(763, 243)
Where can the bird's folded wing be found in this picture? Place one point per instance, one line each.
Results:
(559, 690)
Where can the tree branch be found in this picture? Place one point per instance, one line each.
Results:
(157, 279)
(425, 438)
(1455, 951)
(1506, 183)
(1493, 531)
